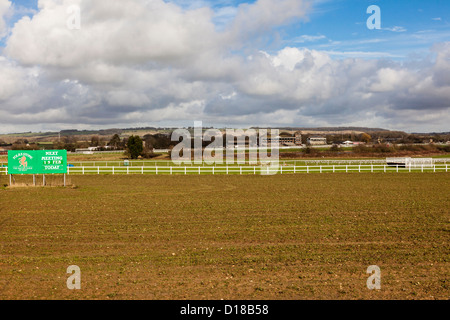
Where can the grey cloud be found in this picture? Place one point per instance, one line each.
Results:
(153, 62)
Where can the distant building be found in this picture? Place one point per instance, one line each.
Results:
(298, 138)
(293, 140)
(354, 143)
(91, 149)
(316, 141)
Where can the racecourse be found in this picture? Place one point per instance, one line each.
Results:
(284, 236)
(245, 168)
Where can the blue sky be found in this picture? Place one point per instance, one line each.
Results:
(406, 26)
(409, 27)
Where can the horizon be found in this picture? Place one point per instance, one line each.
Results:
(72, 64)
(289, 128)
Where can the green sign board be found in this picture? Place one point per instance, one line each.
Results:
(37, 162)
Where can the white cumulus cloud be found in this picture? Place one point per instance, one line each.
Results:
(139, 62)
(5, 6)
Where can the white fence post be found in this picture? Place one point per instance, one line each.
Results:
(83, 169)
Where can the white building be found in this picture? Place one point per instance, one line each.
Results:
(316, 141)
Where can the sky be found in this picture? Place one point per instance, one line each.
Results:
(78, 64)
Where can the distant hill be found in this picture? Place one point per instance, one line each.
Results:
(53, 136)
(327, 129)
(432, 133)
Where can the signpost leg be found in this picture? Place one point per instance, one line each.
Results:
(43, 180)
(34, 180)
(10, 180)
(64, 179)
